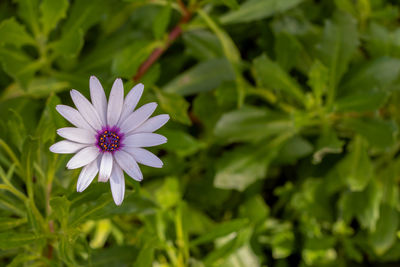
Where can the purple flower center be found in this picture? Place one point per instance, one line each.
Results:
(109, 140)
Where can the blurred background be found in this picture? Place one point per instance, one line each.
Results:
(283, 146)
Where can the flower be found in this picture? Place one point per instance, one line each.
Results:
(108, 137)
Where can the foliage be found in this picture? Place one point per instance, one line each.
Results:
(282, 146)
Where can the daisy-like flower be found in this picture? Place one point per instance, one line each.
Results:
(108, 137)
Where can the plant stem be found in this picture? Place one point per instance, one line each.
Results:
(172, 36)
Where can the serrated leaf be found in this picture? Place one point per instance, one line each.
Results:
(19, 65)
(269, 74)
(28, 10)
(12, 32)
(318, 78)
(255, 10)
(205, 76)
(52, 12)
(340, 40)
(82, 15)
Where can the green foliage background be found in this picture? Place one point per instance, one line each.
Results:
(283, 140)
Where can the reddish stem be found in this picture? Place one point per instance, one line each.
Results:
(172, 36)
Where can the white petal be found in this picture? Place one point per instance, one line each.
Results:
(99, 99)
(86, 109)
(144, 140)
(136, 118)
(128, 164)
(78, 135)
(152, 124)
(131, 100)
(66, 147)
(105, 167)
(115, 102)
(83, 157)
(117, 183)
(145, 157)
(73, 116)
(87, 175)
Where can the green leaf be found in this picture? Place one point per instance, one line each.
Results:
(28, 10)
(356, 168)
(378, 132)
(70, 44)
(384, 235)
(60, 210)
(175, 105)
(327, 143)
(146, 255)
(361, 101)
(220, 230)
(270, 75)
(160, 23)
(180, 142)
(363, 205)
(379, 73)
(205, 76)
(279, 235)
(52, 12)
(380, 41)
(230, 49)
(37, 88)
(232, 4)
(318, 78)
(9, 223)
(169, 195)
(82, 15)
(293, 150)
(11, 240)
(242, 257)
(228, 246)
(251, 124)
(255, 209)
(12, 32)
(239, 168)
(127, 62)
(287, 49)
(255, 10)
(202, 44)
(340, 41)
(19, 65)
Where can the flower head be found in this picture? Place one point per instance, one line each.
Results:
(108, 136)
